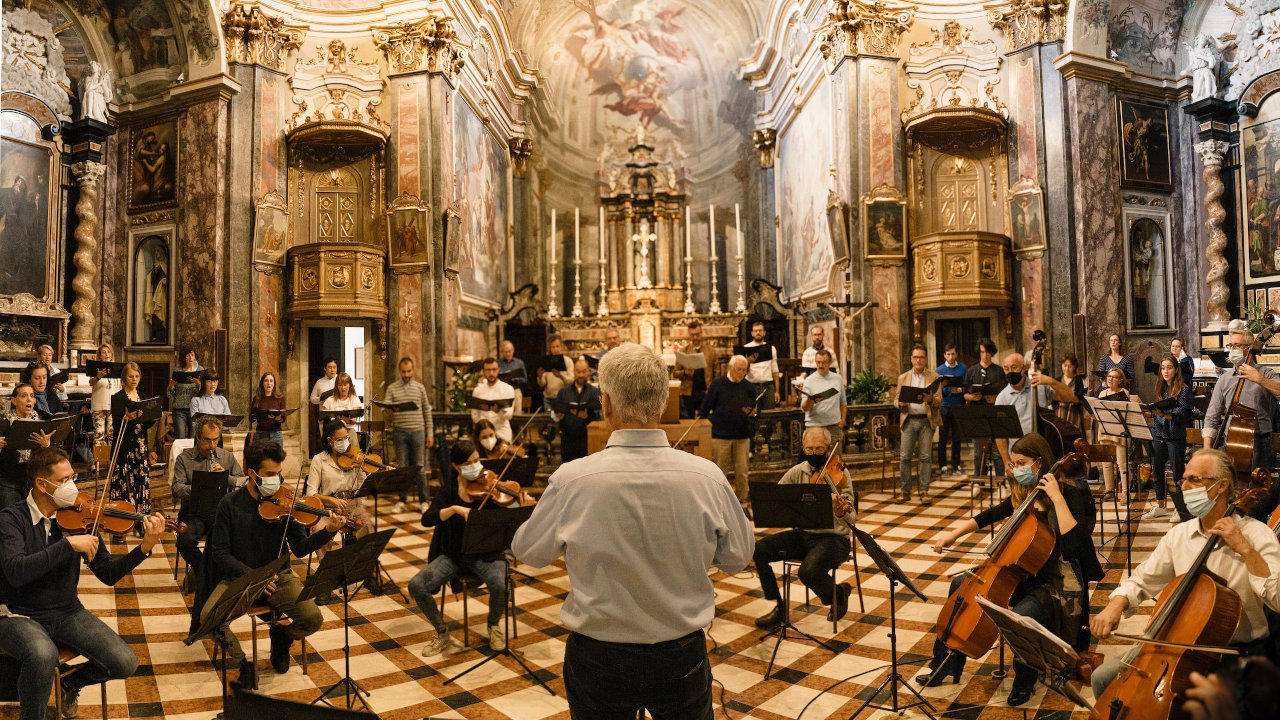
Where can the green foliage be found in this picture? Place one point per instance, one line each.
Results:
(868, 387)
(1253, 316)
(460, 389)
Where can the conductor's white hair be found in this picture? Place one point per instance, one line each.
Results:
(635, 379)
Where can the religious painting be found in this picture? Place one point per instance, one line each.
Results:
(151, 297)
(144, 36)
(1148, 270)
(271, 230)
(28, 237)
(838, 224)
(153, 166)
(1026, 216)
(1260, 168)
(480, 172)
(408, 232)
(804, 237)
(884, 224)
(1145, 161)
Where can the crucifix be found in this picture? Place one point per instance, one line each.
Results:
(642, 240)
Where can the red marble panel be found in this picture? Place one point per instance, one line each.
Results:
(887, 290)
(1030, 294)
(1025, 104)
(409, 309)
(881, 124)
(407, 149)
(202, 242)
(269, 322)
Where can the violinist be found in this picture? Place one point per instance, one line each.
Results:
(491, 447)
(412, 431)
(241, 540)
(573, 429)
(1258, 394)
(206, 456)
(1169, 434)
(333, 484)
(450, 506)
(1056, 596)
(820, 551)
(1249, 564)
(40, 608)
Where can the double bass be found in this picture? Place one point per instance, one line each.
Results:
(1060, 433)
(1239, 423)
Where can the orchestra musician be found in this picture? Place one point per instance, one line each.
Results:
(1018, 393)
(240, 540)
(984, 373)
(1057, 595)
(820, 551)
(335, 485)
(1247, 561)
(491, 447)
(491, 388)
(1257, 394)
(450, 507)
(206, 456)
(40, 608)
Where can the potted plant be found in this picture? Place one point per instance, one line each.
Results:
(460, 388)
(868, 387)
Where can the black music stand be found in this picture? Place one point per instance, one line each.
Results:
(1036, 647)
(239, 596)
(1124, 419)
(338, 568)
(491, 531)
(520, 469)
(896, 576)
(988, 422)
(246, 705)
(387, 481)
(803, 506)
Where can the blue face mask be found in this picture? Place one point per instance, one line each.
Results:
(1025, 475)
(1198, 502)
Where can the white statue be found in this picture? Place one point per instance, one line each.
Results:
(96, 90)
(1204, 68)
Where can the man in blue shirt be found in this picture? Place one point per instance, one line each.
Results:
(952, 397)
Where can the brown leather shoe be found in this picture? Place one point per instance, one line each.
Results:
(925, 499)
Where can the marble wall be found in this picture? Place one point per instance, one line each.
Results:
(202, 242)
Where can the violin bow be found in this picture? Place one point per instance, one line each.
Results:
(105, 495)
(512, 459)
(688, 430)
(289, 518)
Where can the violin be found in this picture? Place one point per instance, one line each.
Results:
(504, 449)
(1018, 551)
(306, 511)
(1195, 617)
(505, 493)
(367, 462)
(117, 517)
(832, 473)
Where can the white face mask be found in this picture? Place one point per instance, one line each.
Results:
(342, 445)
(269, 484)
(472, 471)
(489, 442)
(66, 494)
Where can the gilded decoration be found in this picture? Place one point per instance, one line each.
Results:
(256, 38)
(1027, 22)
(430, 44)
(521, 148)
(333, 280)
(960, 270)
(951, 73)
(873, 29)
(765, 141)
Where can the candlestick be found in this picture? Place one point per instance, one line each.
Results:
(553, 307)
(737, 224)
(576, 255)
(577, 288)
(714, 308)
(689, 309)
(601, 233)
(602, 309)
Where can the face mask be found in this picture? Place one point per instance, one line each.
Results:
(1236, 357)
(816, 461)
(342, 445)
(66, 494)
(1025, 475)
(489, 442)
(1198, 502)
(472, 471)
(269, 484)
(1013, 378)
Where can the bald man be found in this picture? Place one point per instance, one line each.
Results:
(1018, 394)
(573, 426)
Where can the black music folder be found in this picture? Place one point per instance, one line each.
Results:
(582, 410)
(755, 353)
(187, 375)
(913, 394)
(265, 414)
(819, 397)
(750, 410)
(93, 367)
(20, 431)
(150, 408)
(513, 376)
(475, 403)
(550, 363)
(407, 406)
(593, 361)
(1166, 405)
(352, 413)
(59, 378)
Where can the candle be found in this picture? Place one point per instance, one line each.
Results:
(601, 233)
(553, 236)
(688, 235)
(712, 232)
(576, 256)
(737, 222)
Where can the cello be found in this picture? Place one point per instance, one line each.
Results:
(1239, 423)
(1021, 548)
(1060, 433)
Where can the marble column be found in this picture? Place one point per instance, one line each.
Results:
(84, 328)
(1211, 153)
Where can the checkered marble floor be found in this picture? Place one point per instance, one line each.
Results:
(178, 682)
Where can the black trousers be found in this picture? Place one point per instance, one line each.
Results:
(188, 542)
(614, 681)
(949, 434)
(572, 445)
(819, 553)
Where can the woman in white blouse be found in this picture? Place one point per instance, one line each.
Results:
(103, 388)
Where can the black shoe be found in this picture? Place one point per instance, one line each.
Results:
(841, 604)
(374, 585)
(1019, 696)
(950, 668)
(248, 675)
(280, 644)
(70, 702)
(770, 620)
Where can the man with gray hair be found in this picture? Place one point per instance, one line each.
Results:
(205, 456)
(730, 404)
(1258, 394)
(640, 524)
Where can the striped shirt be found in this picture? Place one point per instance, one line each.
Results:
(412, 391)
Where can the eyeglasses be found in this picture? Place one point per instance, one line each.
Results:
(815, 451)
(1197, 480)
(1238, 346)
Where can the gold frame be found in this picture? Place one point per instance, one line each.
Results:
(883, 197)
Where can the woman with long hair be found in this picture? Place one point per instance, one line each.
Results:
(103, 388)
(1056, 596)
(13, 463)
(491, 447)
(180, 394)
(1115, 390)
(132, 479)
(1115, 357)
(266, 425)
(1169, 433)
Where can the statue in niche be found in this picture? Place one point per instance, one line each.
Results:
(96, 90)
(1204, 68)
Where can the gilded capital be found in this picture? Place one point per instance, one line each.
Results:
(1027, 22)
(255, 38)
(765, 140)
(520, 149)
(873, 29)
(430, 44)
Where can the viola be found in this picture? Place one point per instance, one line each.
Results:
(367, 462)
(504, 493)
(117, 517)
(1018, 551)
(306, 511)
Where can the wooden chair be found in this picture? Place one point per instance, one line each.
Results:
(891, 434)
(66, 655)
(465, 583)
(789, 567)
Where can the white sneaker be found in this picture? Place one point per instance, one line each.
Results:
(944, 471)
(497, 641)
(1157, 512)
(441, 644)
(397, 508)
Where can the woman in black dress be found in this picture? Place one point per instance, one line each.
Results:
(132, 479)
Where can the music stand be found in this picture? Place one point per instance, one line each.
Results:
(803, 506)
(520, 469)
(338, 568)
(246, 705)
(896, 576)
(239, 596)
(387, 481)
(1033, 645)
(988, 422)
(1124, 419)
(490, 531)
